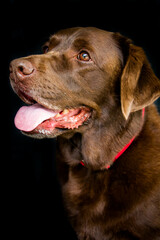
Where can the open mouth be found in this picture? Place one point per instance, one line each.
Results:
(38, 119)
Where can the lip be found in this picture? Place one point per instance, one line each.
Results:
(23, 94)
(25, 97)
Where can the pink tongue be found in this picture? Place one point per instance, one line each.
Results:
(29, 117)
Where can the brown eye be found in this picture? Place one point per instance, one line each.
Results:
(45, 49)
(83, 56)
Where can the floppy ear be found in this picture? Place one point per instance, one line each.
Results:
(139, 85)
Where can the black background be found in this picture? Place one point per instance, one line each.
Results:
(33, 205)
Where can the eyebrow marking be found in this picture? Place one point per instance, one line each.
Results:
(82, 43)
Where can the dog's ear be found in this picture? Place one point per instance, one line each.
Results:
(139, 85)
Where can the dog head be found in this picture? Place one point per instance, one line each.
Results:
(82, 73)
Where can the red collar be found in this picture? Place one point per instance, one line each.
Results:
(123, 150)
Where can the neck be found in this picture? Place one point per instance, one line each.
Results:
(118, 142)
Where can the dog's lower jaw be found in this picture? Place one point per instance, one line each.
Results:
(65, 133)
(44, 134)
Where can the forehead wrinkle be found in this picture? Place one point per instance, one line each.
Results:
(62, 43)
(80, 43)
(67, 37)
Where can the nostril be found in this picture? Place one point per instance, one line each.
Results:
(25, 68)
(20, 69)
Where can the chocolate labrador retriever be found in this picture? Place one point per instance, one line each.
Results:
(94, 90)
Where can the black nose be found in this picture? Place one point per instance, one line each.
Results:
(20, 68)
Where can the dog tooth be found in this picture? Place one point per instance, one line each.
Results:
(65, 111)
(43, 131)
(57, 115)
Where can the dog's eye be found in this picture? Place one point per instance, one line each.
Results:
(83, 56)
(45, 49)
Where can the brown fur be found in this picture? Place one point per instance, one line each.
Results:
(123, 202)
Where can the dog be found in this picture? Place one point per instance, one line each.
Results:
(94, 90)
